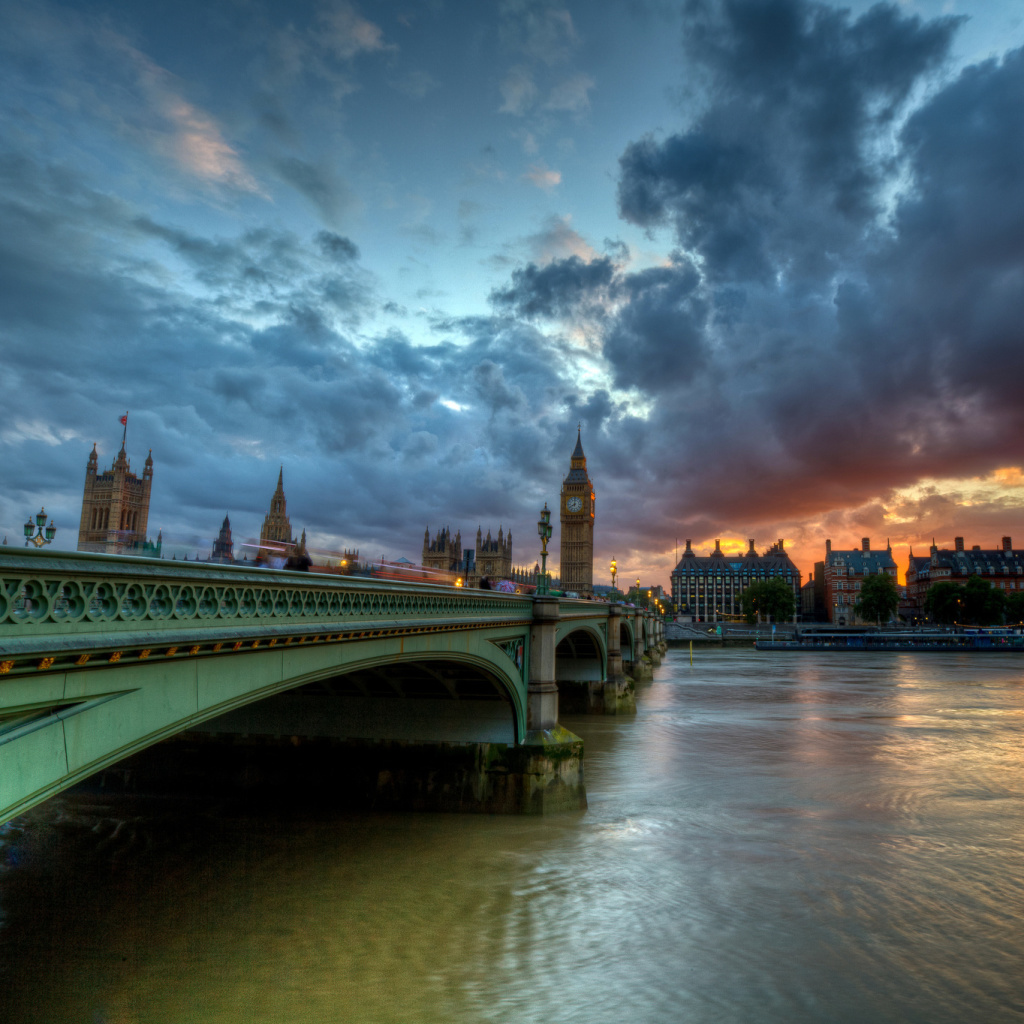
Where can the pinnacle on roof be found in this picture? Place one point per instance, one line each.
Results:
(578, 450)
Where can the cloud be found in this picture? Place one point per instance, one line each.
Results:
(661, 324)
(839, 321)
(233, 353)
(60, 64)
(347, 33)
(543, 177)
(338, 248)
(518, 92)
(556, 290)
(784, 154)
(572, 94)
(541, 31)
(320, 185)
(557, 239)
(415, 84)
(541, 81)
(822, 336)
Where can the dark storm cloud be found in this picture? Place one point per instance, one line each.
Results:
(841, 317)
(657, 340)
(555, 290)
(337, 247)
(779, 172)
(236, 355)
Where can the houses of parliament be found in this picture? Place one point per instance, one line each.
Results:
(115, 508)
(493, 557)
(115, 518)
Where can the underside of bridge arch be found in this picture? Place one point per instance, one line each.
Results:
(580, 670)
(626, 641)
(435, 700)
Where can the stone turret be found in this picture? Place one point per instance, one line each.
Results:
(115, 507)
(223, 546)
(276, 540)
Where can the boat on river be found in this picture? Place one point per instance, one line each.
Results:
(991, 641)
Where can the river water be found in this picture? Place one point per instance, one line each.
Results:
(772, 838)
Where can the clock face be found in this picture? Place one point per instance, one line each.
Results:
(574, 504)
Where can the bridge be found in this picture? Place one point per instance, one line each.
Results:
(442, 697)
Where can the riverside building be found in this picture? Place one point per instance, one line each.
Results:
(1002, 567)
(844, 571)
(707, 588)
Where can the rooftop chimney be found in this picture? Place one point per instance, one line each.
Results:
(958, 543)
(1007, 544)
(865, 544)
(828, 547)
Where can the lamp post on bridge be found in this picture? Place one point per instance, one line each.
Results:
(544, 532)
(37, 528)
(615, 569)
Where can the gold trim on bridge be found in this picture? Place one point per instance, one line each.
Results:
(126, 655)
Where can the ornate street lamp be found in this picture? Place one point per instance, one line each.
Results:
(615, 569)
(544, 532)
(37, 528)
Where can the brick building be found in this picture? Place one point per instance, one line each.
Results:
(842, 573)
(1002, 567)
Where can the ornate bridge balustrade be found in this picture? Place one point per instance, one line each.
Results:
(102, 656)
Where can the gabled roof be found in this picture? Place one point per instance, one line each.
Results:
(862, 562)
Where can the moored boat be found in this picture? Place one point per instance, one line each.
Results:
(911, 640)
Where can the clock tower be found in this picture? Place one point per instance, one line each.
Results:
(576, 559)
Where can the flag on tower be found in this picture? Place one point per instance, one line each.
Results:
(124, 420)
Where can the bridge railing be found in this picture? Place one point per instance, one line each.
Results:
(47, 593)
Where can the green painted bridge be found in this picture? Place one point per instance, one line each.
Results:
(103, 656)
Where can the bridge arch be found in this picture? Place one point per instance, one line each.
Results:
(105, 715)
(581, 667)
(626, 638)
(580, 654)
(419, 696)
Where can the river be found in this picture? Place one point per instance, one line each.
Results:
(772, 838)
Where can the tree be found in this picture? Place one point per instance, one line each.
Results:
(983, 603)
(1015, 608)
(943, 602)
(977, 602)
(772, 599)
(879, 598)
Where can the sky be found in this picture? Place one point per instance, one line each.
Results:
(768, 255)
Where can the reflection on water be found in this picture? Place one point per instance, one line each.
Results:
(783, 837)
